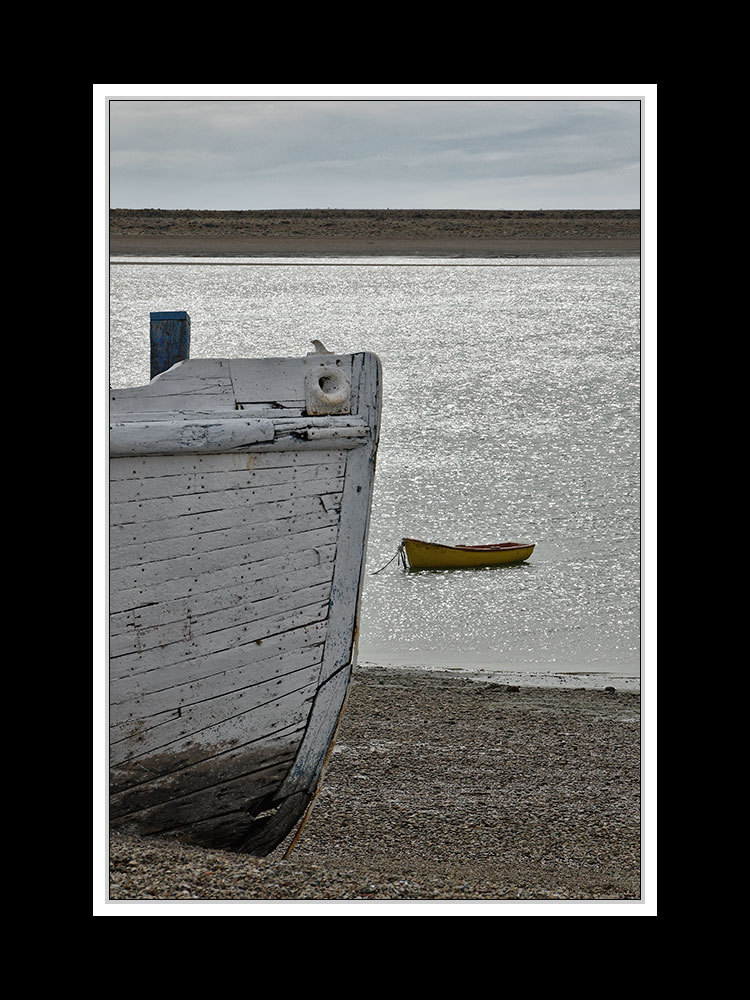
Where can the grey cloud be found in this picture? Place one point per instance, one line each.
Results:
(257, 154)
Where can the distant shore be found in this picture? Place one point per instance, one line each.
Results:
(351, 233)
(440, 788)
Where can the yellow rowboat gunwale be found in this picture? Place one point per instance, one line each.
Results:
(435, 555)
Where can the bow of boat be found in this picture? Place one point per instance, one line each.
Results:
(239, 510)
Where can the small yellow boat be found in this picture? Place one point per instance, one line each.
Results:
(432, 555)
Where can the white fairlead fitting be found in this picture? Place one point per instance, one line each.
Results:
(327, 390)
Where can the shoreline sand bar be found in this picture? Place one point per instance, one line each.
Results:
(358, 233)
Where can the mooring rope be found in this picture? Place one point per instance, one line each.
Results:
(399, 552)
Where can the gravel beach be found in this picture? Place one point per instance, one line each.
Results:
(440, 788)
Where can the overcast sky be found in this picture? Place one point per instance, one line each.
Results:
(373, 153)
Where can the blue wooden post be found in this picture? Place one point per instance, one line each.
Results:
(170, 340)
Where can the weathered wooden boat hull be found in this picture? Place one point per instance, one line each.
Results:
(432, 555)
(238, 532)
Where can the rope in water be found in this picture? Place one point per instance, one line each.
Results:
(399, 552)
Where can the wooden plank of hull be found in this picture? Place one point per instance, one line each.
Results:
(240, 575)
(235, 581)
(196, 482)
(209, 619)
(255, 517)
(141, 671)
(134, 628)
(212, 803)
(138, 553)
(179, 506)
(200, 730)
(151, 575)
(171, 465)
(251, 656)
(208, 390)
(140, 707)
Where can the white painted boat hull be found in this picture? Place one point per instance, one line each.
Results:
(238, 530)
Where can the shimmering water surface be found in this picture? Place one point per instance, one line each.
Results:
(511, 412)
